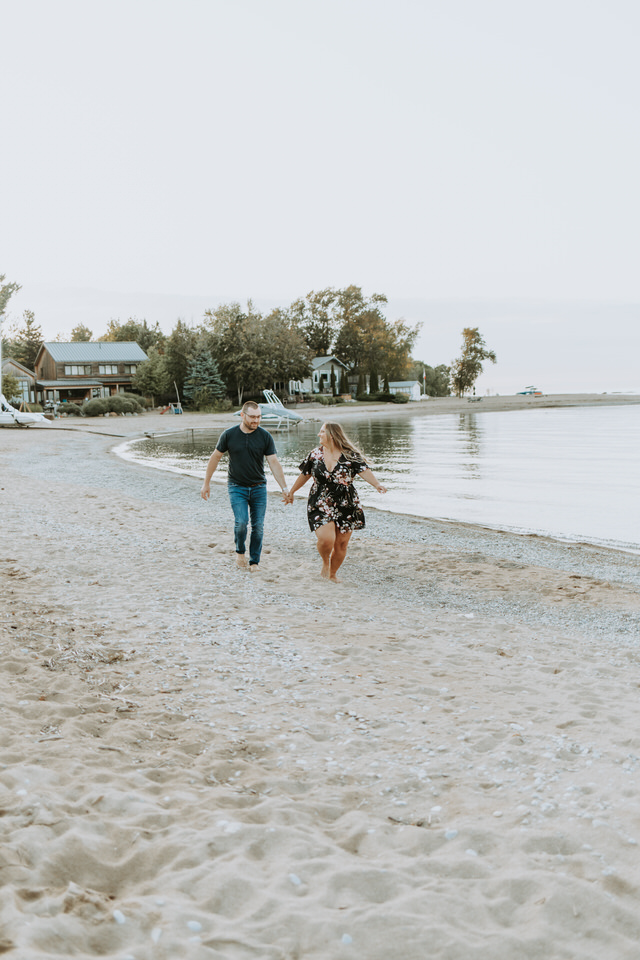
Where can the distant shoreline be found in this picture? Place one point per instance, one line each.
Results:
(154, 422)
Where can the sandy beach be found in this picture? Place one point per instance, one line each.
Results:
(437, 758)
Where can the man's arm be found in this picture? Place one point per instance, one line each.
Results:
(214, 460)
(276, 469)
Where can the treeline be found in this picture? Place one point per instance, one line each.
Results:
(236, 352)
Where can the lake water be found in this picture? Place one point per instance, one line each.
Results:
(569, 473)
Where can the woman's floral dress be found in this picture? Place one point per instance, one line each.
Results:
(333, 495)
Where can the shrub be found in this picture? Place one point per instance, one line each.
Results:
(401, 398)
(95, 408)
(142, 402)
(329, 401)
(384, 397)
(119, 403)
(31, 407)
(71, 410)
(224, 405)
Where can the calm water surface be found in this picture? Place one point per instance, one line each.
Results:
(568, 473)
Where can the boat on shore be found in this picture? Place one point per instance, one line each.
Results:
(10, 417)
(274, 413)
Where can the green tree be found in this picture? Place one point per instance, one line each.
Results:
(135, 331)
(81, 334)
(466, 369)
(254, 352)
(315, 318)
(11, 387)
(374, 385)
(436, 380)
(367, 339)
(344, 381)
(7, 290)
(203, 384)
(334, 383)
(27, 340)
(179, 349)
(151, 378)
(238, 347)
(283, 348)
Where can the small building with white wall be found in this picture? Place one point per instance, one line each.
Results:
(411, 387)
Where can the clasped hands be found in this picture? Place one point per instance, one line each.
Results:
(287, 497)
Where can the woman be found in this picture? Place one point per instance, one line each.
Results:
(333, 508)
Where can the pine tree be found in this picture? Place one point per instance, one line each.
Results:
(373, 382)
(344, 382)
(203, 383)
(334, 385)
(27, 341)
(385, 385)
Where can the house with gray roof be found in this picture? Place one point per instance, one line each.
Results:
(320, 379)
(76, 372)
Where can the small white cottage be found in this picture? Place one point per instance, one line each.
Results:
(411, 387)
(320, 379)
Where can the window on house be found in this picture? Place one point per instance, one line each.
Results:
(73, 370)
(130, 367)
(108, 368)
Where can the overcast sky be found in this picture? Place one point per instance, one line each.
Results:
(475, 160)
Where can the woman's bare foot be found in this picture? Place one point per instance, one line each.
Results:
(326, 570)
(334, 579)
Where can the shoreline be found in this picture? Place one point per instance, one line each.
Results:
(194, 423)
(436, 755)
(317, 411)
(221, 482)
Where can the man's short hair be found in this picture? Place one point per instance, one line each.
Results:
(250, 405)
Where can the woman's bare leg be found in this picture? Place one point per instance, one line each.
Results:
(339, 553)
(326, 535)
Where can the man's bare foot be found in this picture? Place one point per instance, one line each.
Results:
(241, 560)
(253, 567)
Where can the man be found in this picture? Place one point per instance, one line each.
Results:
(247, 445)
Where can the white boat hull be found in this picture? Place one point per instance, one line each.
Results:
(10, 417)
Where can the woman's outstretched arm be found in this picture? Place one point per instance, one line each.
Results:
(370, 478)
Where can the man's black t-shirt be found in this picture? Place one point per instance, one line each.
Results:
(246, 454)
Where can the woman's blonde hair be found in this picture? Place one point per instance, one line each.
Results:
(339, 438)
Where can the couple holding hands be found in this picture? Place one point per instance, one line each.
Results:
(333, 508)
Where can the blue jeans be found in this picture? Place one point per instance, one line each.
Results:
(245, 501)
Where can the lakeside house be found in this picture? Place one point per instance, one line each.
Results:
(411, 387)
(25, 377)
(320, 379)
(79, 371)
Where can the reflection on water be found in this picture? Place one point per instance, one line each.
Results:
(569, 472)
(471, 432)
